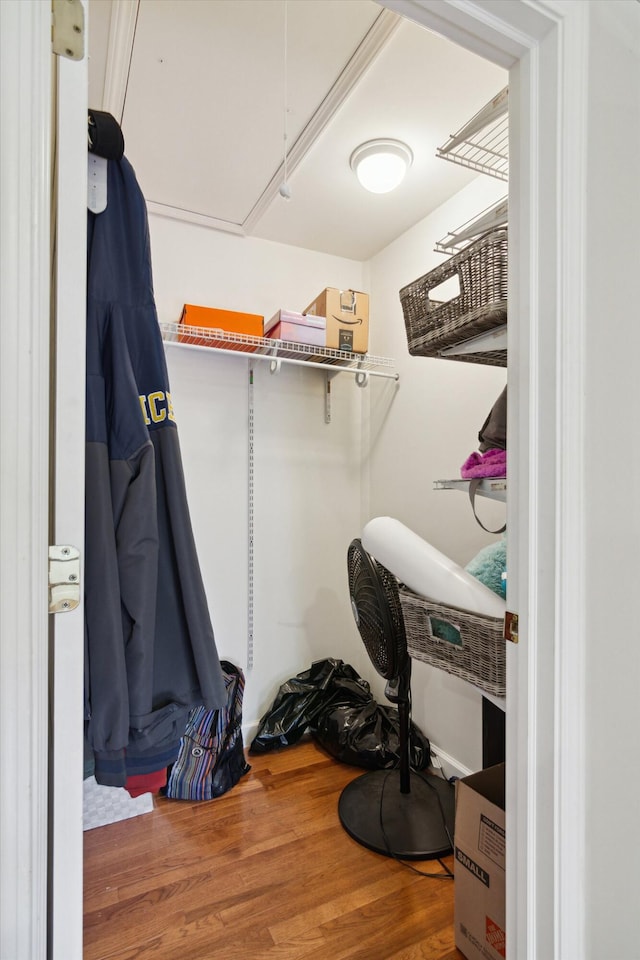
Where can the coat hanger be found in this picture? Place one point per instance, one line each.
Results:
(105, 142)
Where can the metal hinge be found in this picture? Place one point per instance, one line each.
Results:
(511, 626)
(67, 29)
(64, 578)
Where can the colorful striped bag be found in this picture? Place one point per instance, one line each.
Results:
(211, 757)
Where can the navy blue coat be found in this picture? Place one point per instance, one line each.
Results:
(150, 653)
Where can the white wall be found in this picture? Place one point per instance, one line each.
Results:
(612, 459)
(307, 472)
(316, 484)
(425, 435)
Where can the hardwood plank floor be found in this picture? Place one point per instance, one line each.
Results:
(265, 872)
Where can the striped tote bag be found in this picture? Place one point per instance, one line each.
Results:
(211, 756)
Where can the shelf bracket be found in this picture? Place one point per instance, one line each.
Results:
(275, 366)
(362, 378)
(327, 398)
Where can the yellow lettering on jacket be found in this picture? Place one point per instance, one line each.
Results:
(156, 407)
(143, 405)
(156, 415)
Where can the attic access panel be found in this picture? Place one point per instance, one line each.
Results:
(204, 111)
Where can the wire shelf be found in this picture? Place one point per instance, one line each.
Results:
(276, 351)
(495, 488)
(482, 144)
(456, 240)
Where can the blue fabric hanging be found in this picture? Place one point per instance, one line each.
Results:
(150, 653)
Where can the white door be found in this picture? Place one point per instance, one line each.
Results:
(68, 397)
(40, 777)
(25, 81)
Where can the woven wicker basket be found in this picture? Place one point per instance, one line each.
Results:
(481, 305)
(465, 644)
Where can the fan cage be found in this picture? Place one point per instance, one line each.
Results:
(379, 617)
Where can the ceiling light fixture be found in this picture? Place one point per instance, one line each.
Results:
(380, 165)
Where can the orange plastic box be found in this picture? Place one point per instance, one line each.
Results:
(231, 321)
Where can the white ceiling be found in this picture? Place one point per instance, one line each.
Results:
(200, 86)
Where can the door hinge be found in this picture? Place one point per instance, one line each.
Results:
(511, 626)
(67, 28)
(64, 578)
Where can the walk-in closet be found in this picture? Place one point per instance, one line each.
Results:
(311, 470)
(224, 108)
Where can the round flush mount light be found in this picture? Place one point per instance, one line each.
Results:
(380, 165)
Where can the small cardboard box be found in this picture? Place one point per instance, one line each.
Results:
(479, 910)
(230, 321)
(297, 328)
(347, 314)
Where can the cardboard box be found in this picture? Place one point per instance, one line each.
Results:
(479, 911)
(287, 325)
(347, 314)
(230, 321)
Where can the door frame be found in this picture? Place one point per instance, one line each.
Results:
(543, 45)
(25, 202)
(66, 661)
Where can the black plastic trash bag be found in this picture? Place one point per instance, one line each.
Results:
(301, 698)
(368, 735)
(337, 706)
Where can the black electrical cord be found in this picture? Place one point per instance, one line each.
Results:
(448, 874)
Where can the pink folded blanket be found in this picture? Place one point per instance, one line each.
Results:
(491, 463)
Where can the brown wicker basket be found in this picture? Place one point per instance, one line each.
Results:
(465, 644)
(481, 305)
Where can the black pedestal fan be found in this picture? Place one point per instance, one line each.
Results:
(399, 813)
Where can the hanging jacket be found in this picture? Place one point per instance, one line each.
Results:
(150, 653)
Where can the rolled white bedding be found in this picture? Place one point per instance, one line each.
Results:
(425, 570)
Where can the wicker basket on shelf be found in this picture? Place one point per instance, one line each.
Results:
(468, 645)
(481, 305)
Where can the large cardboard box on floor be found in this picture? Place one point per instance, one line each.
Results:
(479, 911)
(347, 314)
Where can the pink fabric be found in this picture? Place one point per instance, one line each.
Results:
(491, 463)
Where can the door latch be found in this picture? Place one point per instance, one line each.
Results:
(64, 578)
(511, 626)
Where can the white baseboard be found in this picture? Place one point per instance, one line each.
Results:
(448, 764)
(249, 730)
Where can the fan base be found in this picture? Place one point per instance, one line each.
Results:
(408, 826)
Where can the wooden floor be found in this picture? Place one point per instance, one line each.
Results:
(265, 872)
